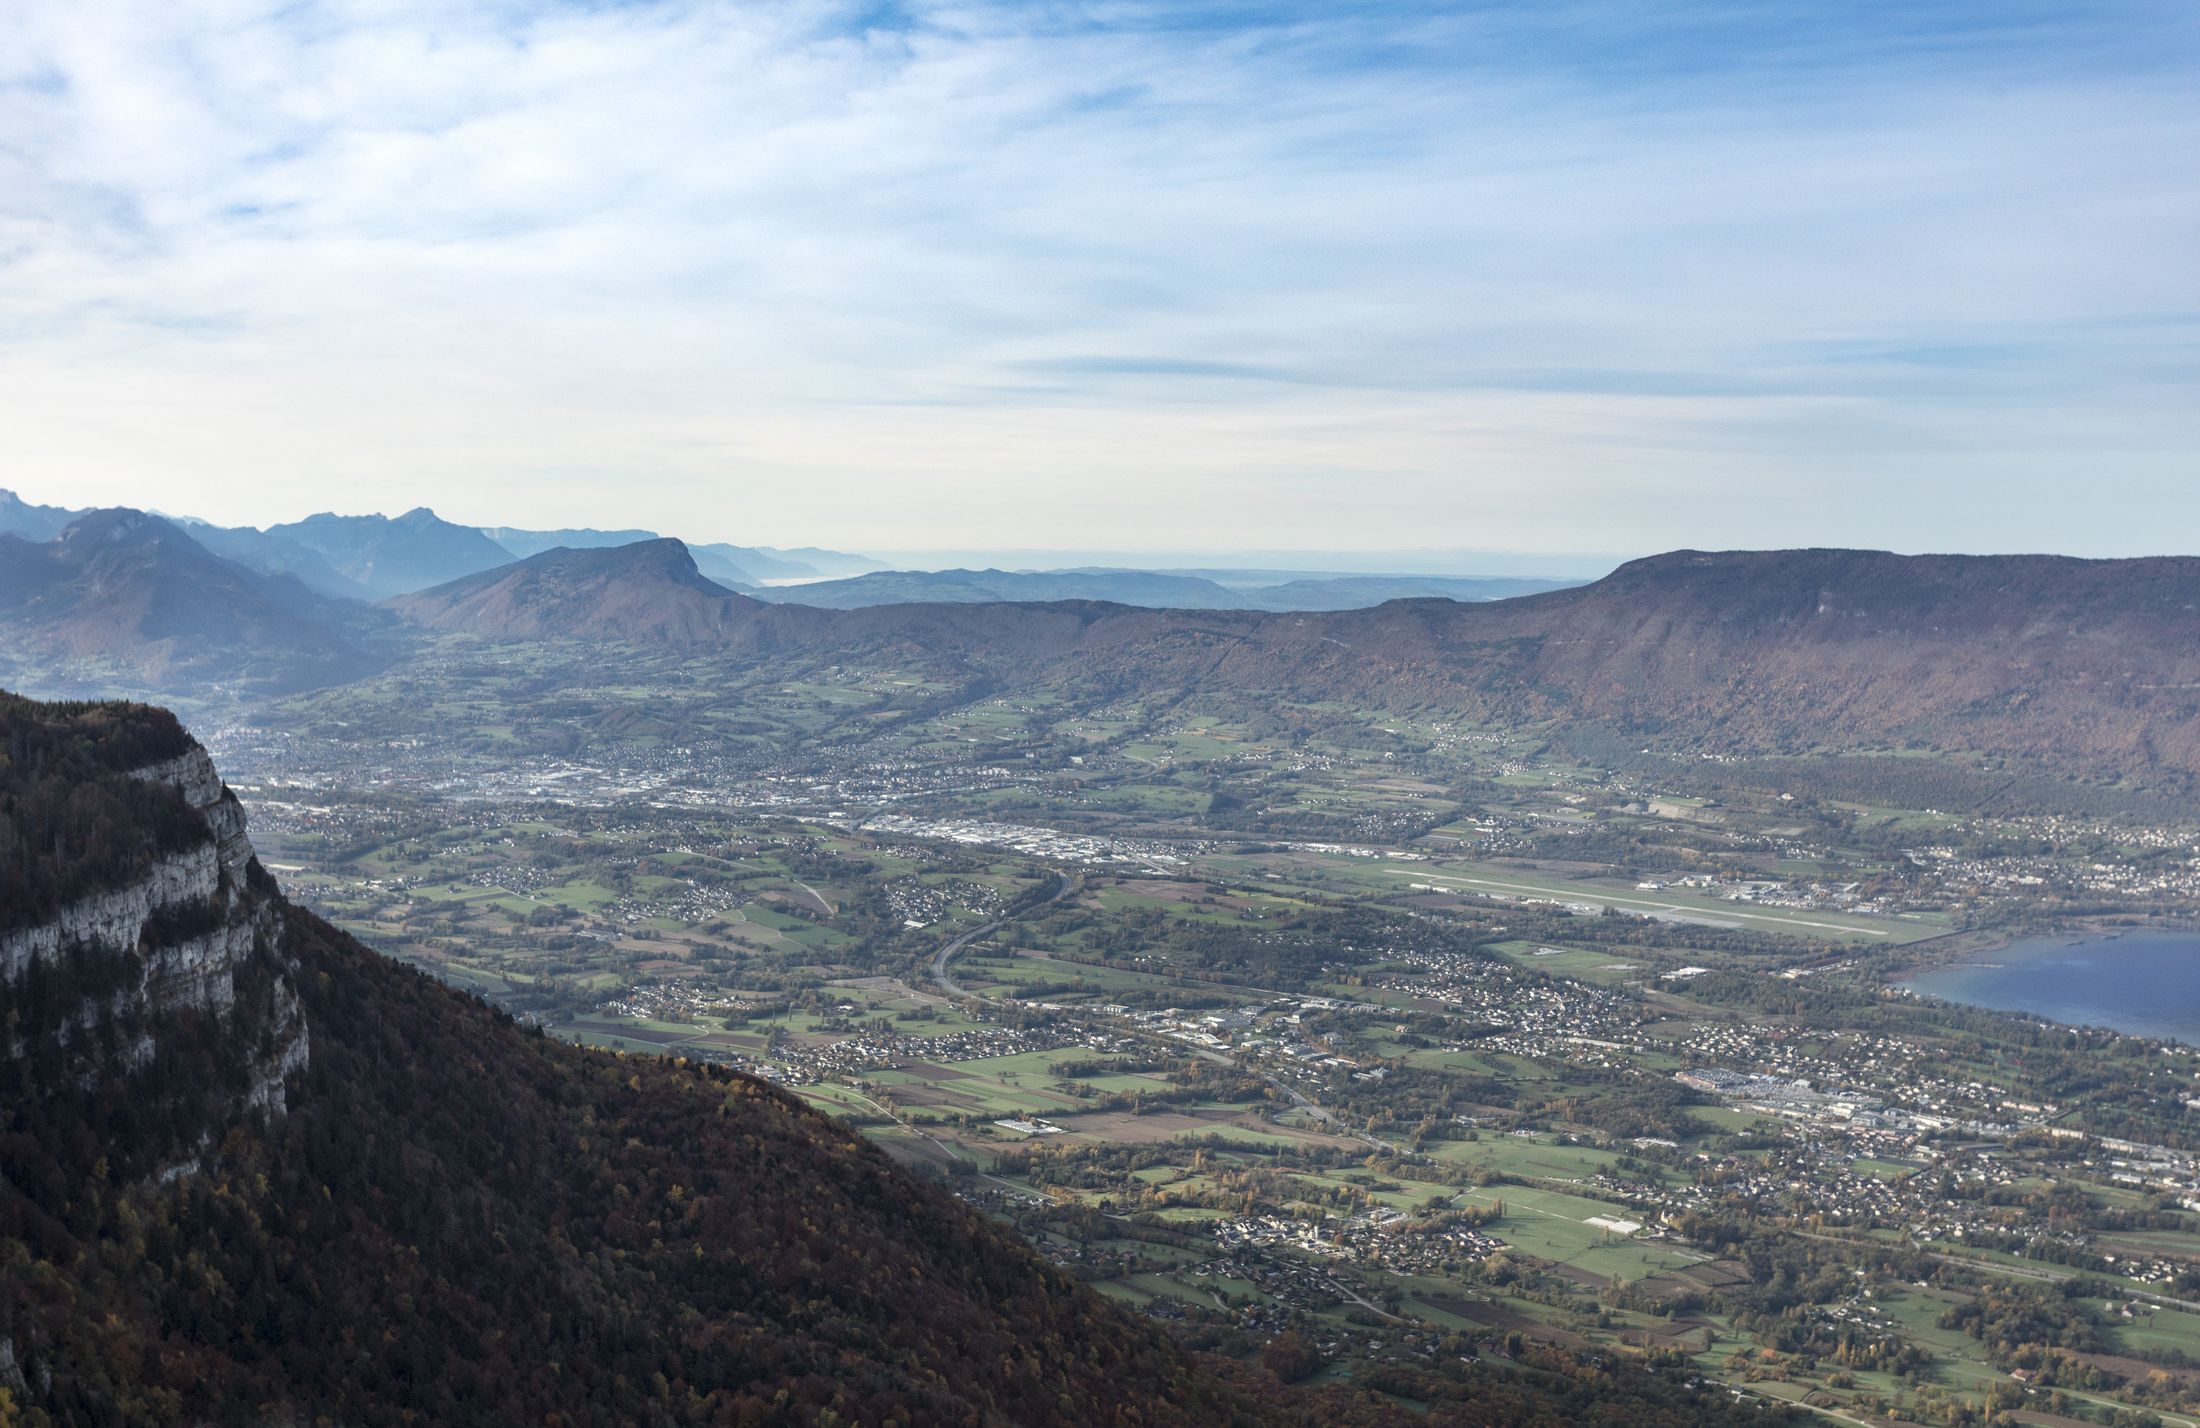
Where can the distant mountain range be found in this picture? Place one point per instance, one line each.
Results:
(272, 554)
(2094, 664)
(123, 597)
(19, 517)
(755, 564)
(523, 543)
(362, 558)
(374, 557)
(389, 555)
(2085, 665)
(1155, 589)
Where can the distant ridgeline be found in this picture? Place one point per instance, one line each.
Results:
(2073, 670)
(2084, 667)
(437, 1216)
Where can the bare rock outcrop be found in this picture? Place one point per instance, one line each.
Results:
(106, 974)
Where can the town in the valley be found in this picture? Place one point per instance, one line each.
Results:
(1417, 1040)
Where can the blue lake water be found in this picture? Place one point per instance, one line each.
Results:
(2145, 983)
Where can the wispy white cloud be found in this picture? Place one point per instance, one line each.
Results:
(1587, 276)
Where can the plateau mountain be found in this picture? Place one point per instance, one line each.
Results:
(648, 592)
(741, 566)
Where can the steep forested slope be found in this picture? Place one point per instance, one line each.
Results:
(468, 1222)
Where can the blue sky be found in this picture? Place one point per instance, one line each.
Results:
(1542, 278)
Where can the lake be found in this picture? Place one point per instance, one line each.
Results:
(2144, 983)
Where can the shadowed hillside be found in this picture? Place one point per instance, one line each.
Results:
(121, 597)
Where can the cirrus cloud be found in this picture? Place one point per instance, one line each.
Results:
(1583, 276)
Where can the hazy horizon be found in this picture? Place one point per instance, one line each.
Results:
(1283, 564)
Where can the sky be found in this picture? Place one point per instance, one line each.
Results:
(1545, 278)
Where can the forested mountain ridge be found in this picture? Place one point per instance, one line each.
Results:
(2081, 668)
(2084, 666)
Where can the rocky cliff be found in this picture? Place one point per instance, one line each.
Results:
(126, 944)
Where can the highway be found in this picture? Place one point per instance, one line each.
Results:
(1071, 882)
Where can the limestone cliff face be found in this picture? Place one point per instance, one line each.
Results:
(190, 950)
